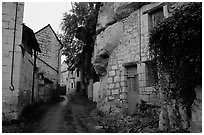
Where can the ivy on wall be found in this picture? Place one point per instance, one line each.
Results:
(177, 44)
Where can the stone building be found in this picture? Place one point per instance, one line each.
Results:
(121, 54)
(121, 57)
(18, 44)
(64, 74)
(75, 79)
(64, 78)
(49, 61)
(24, 82)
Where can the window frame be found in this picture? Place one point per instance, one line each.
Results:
(152, 14)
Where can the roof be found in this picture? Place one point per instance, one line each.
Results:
(28, 38)
(52, 31)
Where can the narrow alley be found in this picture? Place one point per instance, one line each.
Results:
(102, 67)
(67, 116)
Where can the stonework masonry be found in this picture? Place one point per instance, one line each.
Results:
(11, 105)
(15, 99)
(49, 60)
(123, 36)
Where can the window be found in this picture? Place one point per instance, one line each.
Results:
(151, 73)
(72, 85)
(77, 72)
(156, 17)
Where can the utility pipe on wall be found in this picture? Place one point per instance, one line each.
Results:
(140, 34)
(14, 42)
(34, 66)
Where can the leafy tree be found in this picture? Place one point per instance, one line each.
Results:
(78, 28)
(176, 43)
(79, 32)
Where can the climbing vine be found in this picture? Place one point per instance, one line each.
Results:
(176, 44)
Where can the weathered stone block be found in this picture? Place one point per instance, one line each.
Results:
(142, 83)
(118, 72)
(141, 68)
(111, 98)
(111, 86)
(115, 91)
(111, 73)
(142, 76)
(117, 85)
(117, 79)
(108, 92)
(123, 96)
(124, 89)
(114, 67)
(123, 78)
(110, 80)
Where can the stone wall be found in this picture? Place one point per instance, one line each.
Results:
(48, 72)
(49, 59)
(73, 79)
(122, 40)
(64, 74)
(26, 81)
(10, 97)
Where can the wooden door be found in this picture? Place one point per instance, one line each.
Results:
(133, 89)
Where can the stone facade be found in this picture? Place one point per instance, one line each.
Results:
(75, 80)
(64, 74)
(49, 60)
(18, 96)
(121, 58)
(122, 42)
(12, 12)
(18, 64)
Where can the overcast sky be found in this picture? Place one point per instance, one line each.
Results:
(39, 14)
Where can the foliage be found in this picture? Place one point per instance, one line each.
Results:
(145, 121)
(177, 44)
(82, 18)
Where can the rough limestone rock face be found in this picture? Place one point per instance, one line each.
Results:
(122, 38)
(112, 12)
(124, 9)
(105, 44)
(116, 44)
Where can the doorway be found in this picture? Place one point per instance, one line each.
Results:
(133, 88)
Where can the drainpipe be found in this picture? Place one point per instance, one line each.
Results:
(140, 35)
(34, 66)
(14, 41)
